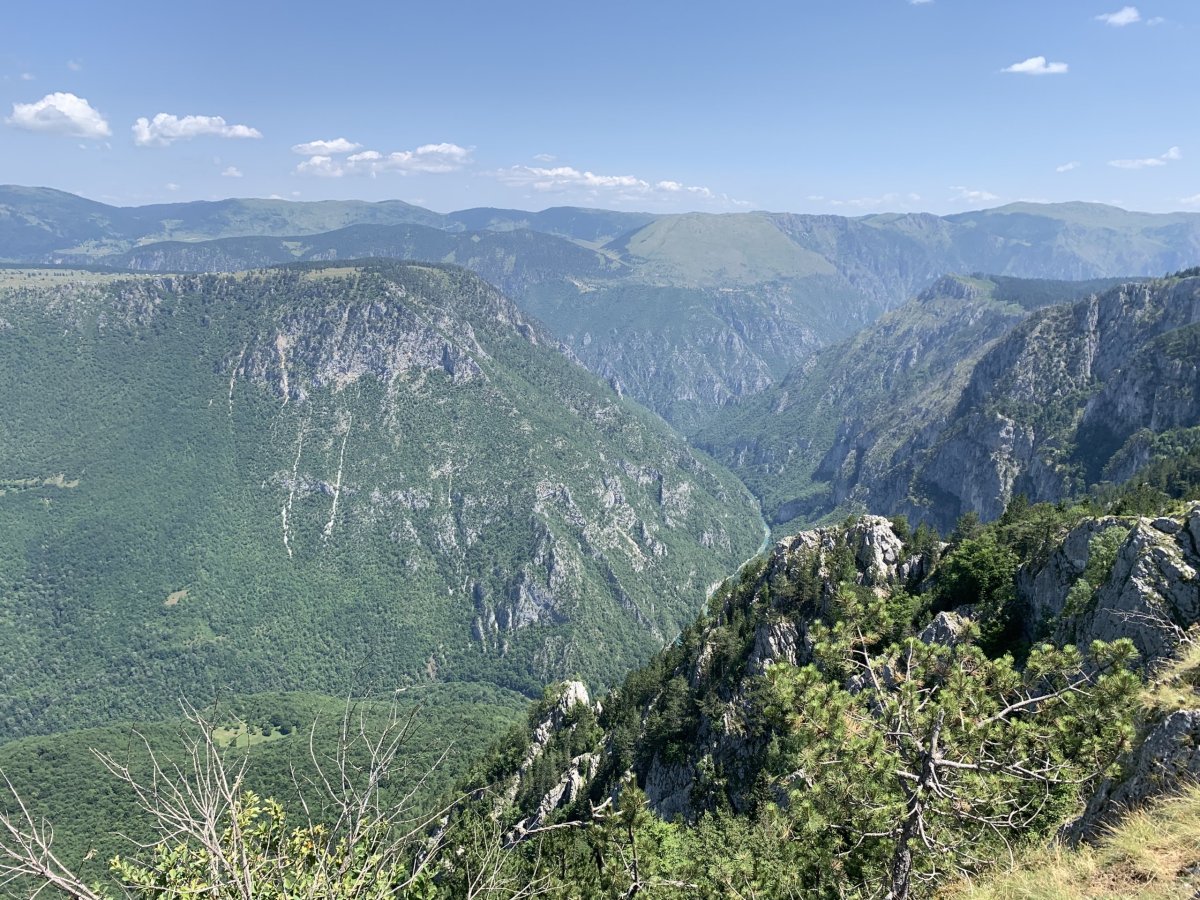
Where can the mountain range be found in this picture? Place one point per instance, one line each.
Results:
(684, 313)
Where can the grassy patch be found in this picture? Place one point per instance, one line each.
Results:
(1154, 854)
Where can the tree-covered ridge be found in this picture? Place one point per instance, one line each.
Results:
(840, 723)
(865, 711)
(331, 479)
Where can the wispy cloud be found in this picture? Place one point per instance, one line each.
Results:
(1037, 65)
(1150, 162)
(60, 113)
(1068, 167)
(429, 159)
(74, 65)
(232, 172)
(326, 148)
(27, 76)
(544, 157)
(1126, 15)
(171, 186)
(1194, 200)
(919, 2)
(165, 129)
(562, 179)
(969, 195)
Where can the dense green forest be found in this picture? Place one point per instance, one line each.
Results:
(340, 480)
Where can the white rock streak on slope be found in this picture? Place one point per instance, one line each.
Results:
(233, 378)
(287, 507)
(281, 349)
(337, 484)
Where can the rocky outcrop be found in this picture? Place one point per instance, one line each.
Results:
(1056, 398)
(569, 695)
(947, 628)
(1167, 761)
(957, 402)
(1150, 594)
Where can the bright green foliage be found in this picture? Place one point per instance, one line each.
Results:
(274, 860)
(981, 572)
(62, 780)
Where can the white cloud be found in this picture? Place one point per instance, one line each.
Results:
(1157, 20)
(74, 65)
(172, 186)
(1126, 15)
(428, 159)
(232, 172)
(27, 76)
(326, 148)
(967, 195)
(60, 113)
(1037, 65)
(1067, 167)
(562, 179)
(544, 157)
(165, 129)
(1150, 162)
(919, 2)
(1194, 200)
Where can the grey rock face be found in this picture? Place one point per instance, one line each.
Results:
(947, 629)
(1151, 595)
(779, 641)
(1168, 760)
(669, 789)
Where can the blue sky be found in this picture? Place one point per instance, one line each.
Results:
(842, 106)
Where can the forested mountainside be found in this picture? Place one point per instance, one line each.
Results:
(867, 711)
(685, 313)
(971, 395)
(330, 479)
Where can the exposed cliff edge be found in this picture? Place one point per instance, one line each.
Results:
(698, 740)
(964, 399)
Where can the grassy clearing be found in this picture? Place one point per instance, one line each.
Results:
(28, 484)
(1154, 854)
(1176, 687)
(38, 277)
(241, 735)
(174, 597)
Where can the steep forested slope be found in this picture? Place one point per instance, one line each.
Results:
(865, 712)
(964, 398)
(327, 479)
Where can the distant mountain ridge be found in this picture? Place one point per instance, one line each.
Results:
(685, 313)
